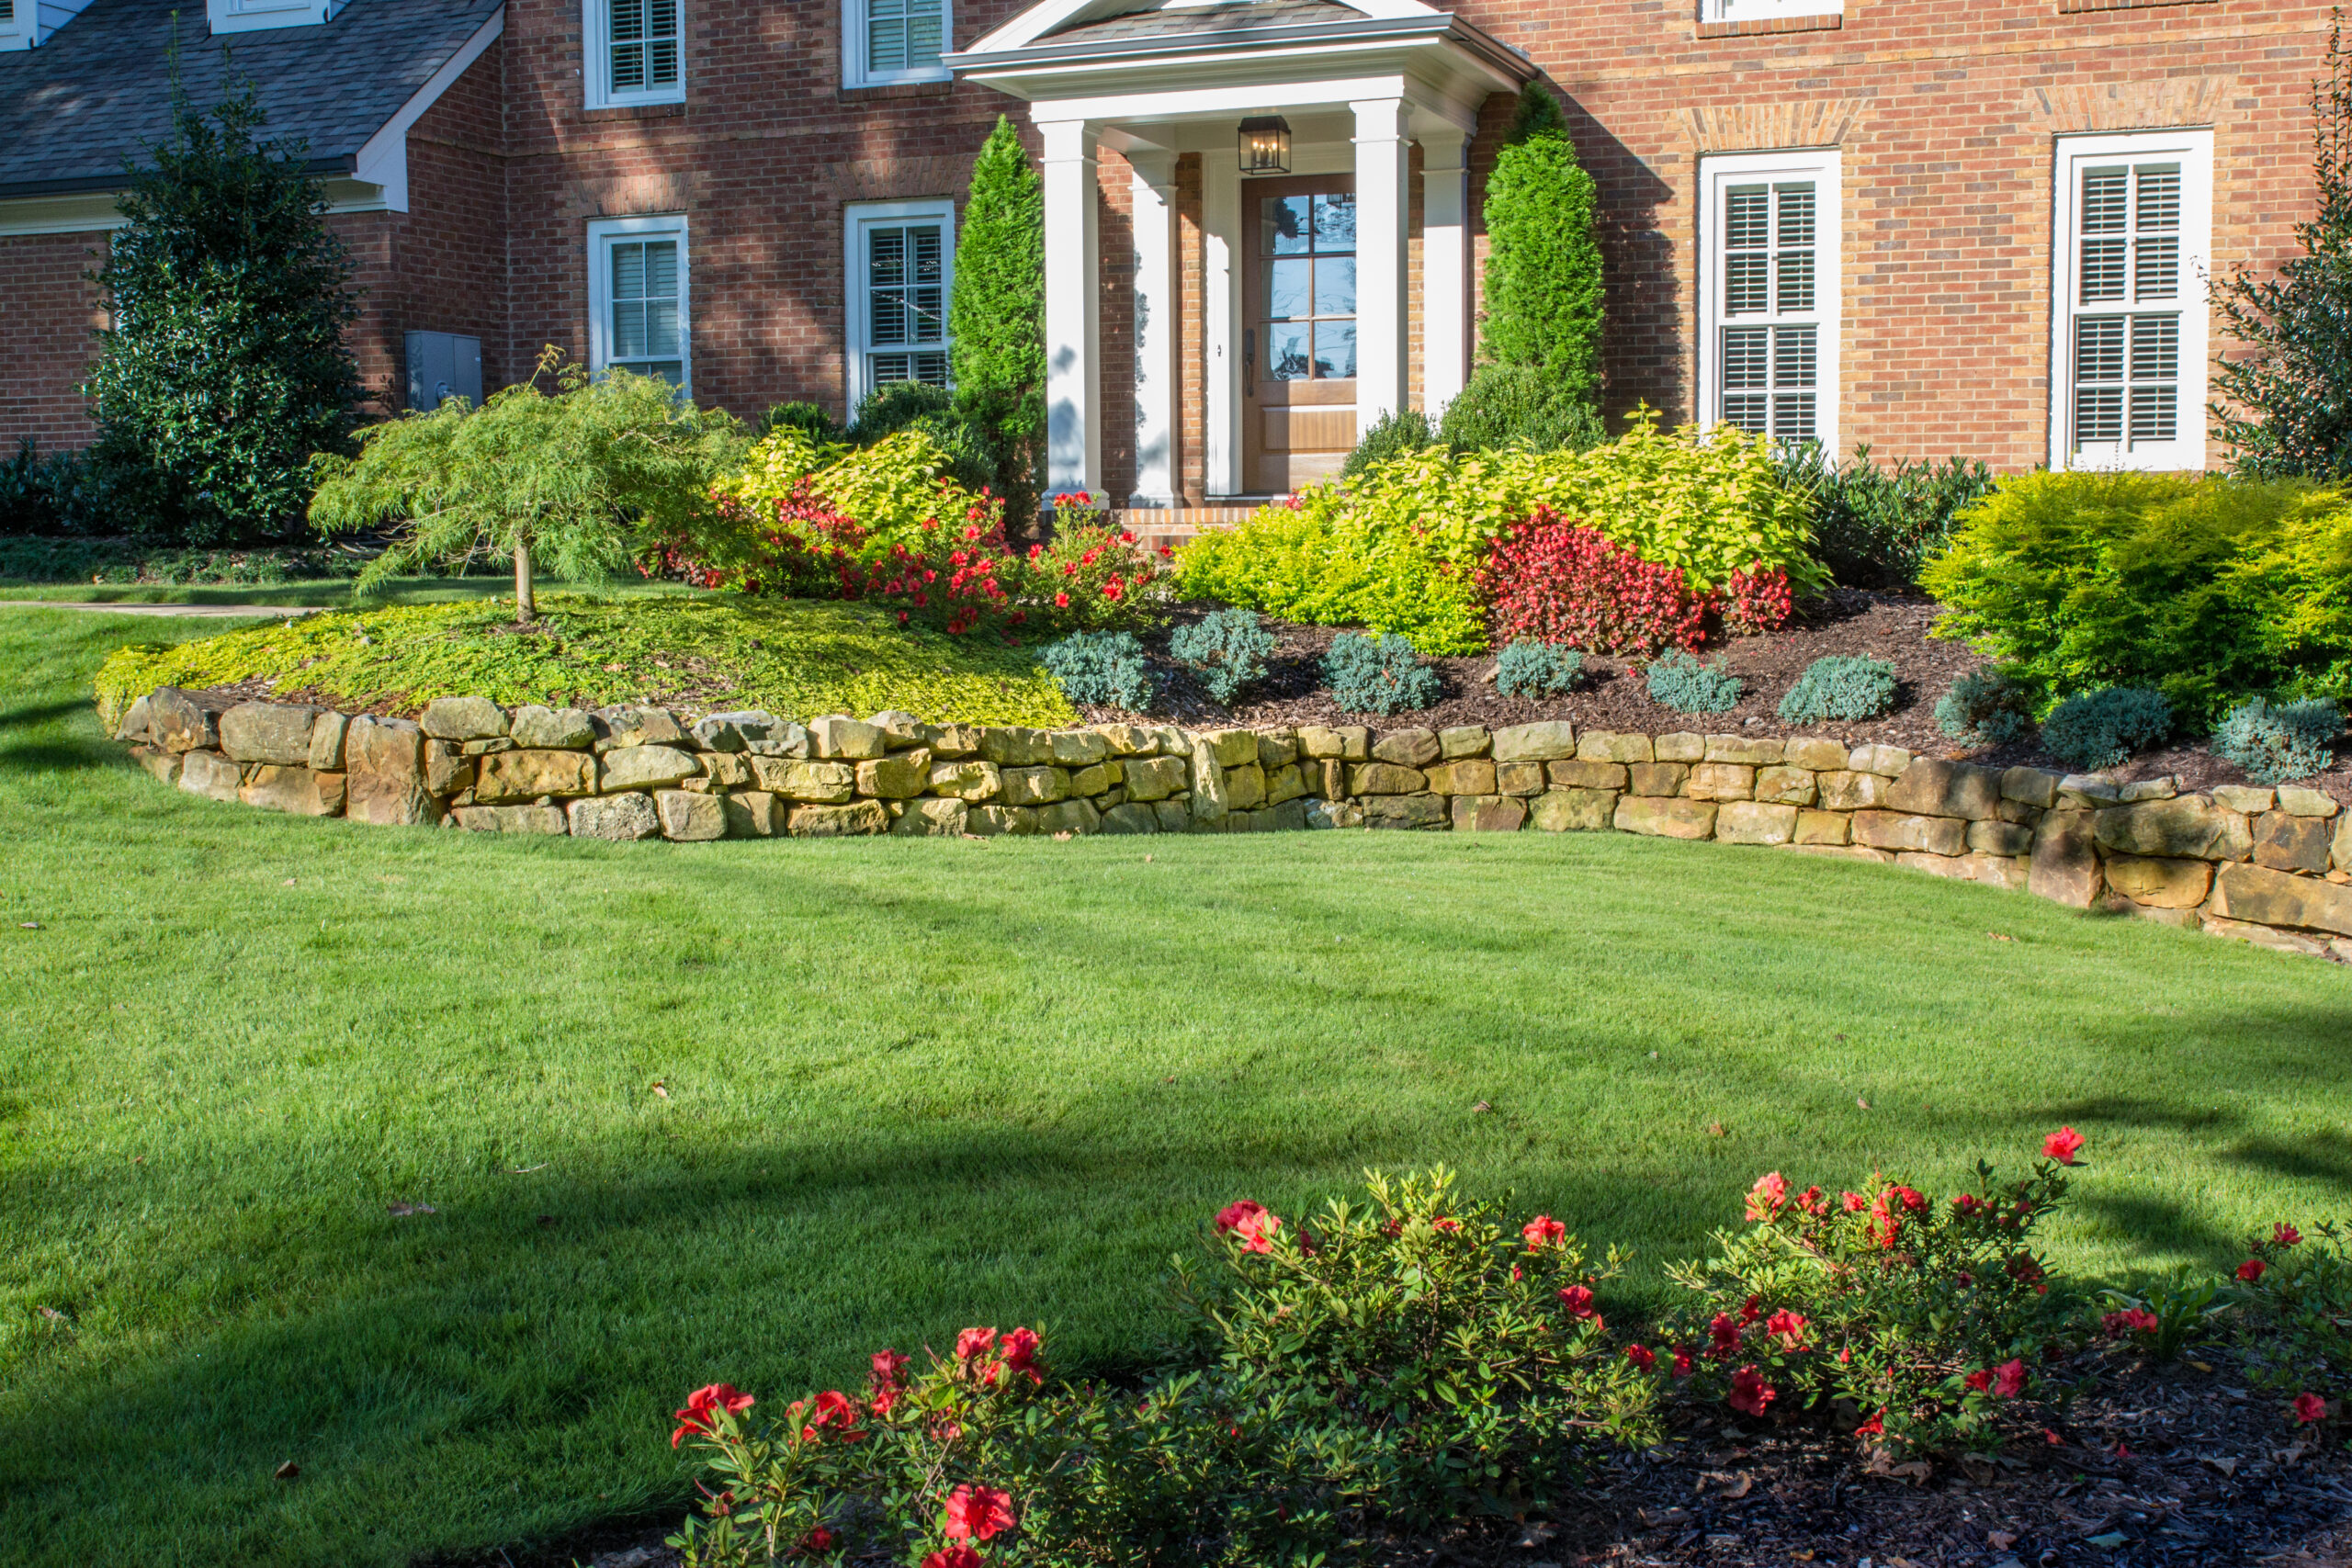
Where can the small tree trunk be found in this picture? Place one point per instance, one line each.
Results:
(527, 608)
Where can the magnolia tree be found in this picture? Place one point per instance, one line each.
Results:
(576, 474)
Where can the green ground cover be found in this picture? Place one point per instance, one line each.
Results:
(912, 1085)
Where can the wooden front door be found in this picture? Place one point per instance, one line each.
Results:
(1298, 370)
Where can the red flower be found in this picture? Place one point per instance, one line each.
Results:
(974, 1342)
(1855, 1203)
(2128, 1320)
(976, 1513)
(1749, 1391)
(1786, 1327)
(818, 1540)
(1681, 1362)
(1541, 1231)
(1979, 1380)
(953, 1557)
(1872, 1427)
(1642, 1357)
(1251, 1222)
(1969, 1204)
(2284, 1235)
(696, 1416)
(1112, 590)
(834, 1408)
(1722, 1334)
(1061, 600)
(1020, 1353)
(2008, 1379)
(1446, 1223)
(1813, 1202)
(2251, 1269)
(1578, 1301)
(2061, 1144)
(1912, 1199)
(1126, 538)
(1768, 1197)
(1088, 559)
(2309, 1407)
(972, 532)
(1751, 1309)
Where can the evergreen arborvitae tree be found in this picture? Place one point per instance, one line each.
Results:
(996, 316)
(2288, 410)
(224, 367)
(1542, 303)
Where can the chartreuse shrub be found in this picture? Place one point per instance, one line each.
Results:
(2273, 745)
(1409, 1362)
(1226, 649)
(2103, 729)
(1378, 674)
(1530, 668)
(1678, 681)
(1399, 549)
(790, 657)
(2205, 589)
(1840, 687)
(1985, 707)
(1100, 669)
(796, 505)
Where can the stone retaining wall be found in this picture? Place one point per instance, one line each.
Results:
(2272, 866)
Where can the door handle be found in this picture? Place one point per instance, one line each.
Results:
(1248, 362)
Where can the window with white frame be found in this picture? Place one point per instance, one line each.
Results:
(1767, 10)
(1767, 264)
(634, 52)
(636, 297)
(2134, 223)
(894, 40)
(901, 262)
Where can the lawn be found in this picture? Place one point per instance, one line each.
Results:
(748, 1110)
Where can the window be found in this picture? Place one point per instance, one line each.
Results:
(900, 262)
(2128, 340)
(634, 53)
(636, 297)
(894, 40)
(1766, 10)
(1768, 264)
(1307, 281)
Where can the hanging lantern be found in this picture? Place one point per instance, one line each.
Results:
(1265, 145)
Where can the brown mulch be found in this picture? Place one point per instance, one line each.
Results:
(2156, 1467)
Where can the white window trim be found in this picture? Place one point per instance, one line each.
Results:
(856, 218)
(1821, 165)
(855, 72)
(2195, 150)
(602, 232)
(1767, 10)
(597, 61)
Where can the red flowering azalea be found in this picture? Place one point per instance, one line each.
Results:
(1577, 1299)
(1872, 1427)
(1786, 1327)
(1019, 1348)
(1768, 1197)
(976, 1513)
(1061, 600)
(1855, 1203)
(2061, 1144)
(702, 1402)
(2130, 1320)
(1251, 1222)
(953, 1557)
(974, 1342)
(1751, 1309)
(818, 1540)
(1722, 1334)
(1749, 1391)
(889, 1366)
(1642, 1357)
(1681, 1361)
(1541, 1231)
(1912, 1201)
(2309, 1407)
(1446, 1223)
(2008, 1379)
(2285, 1235)
(2251, 1269)
(834, 1408)
(1979, 1380)
(1969, 1204)
(1813, 1202)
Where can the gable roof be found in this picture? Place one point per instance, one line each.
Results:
(99, 90)
(1158, 20)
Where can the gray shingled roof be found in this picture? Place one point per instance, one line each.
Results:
(1153, 21)
(100, 88)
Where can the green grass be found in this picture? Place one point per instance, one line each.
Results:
(797, 658)
(331, 593)
(916, 1085)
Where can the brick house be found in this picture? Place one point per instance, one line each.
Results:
(1867, 222)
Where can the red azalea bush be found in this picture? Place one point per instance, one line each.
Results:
(1921, 1322)
(1552, 580)
(2295, 1319)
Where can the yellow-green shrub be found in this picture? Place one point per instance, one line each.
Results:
(822, 494)
(1396, 548)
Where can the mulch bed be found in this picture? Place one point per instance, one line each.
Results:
(2156, 1467)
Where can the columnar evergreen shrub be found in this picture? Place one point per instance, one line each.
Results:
(1100, 669)
(1984, 707)
(1369, 674)
(1679, 682)
(1226, 649)
(2276, 744)
(2103, 729)
(996, 318)
(1542, 280)
(1534, 668)
(1841, 687)
(224, 368)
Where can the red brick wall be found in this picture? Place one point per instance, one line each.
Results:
(47, 323)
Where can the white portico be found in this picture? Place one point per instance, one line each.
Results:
(1303, 316)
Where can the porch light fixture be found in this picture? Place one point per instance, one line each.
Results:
(1265, 145)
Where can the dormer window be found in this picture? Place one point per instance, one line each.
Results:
(29, 24)
(258, 16)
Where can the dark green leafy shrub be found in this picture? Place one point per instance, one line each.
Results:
(1984, 707)
(1102, 669)
(1397, 434)
(2276, 744)
(1380, 675)
(1678, 681)
(810, 419)
(2294, 1296)
(1228, 650)
(61, 494)
(2206, 589)
(2103, 729)
(2167, 1313)
(1517, 406)
(225, 367)
(1840, 687)
(893, 406)
(1876, 527)
(1530, 668)
(1542, 293)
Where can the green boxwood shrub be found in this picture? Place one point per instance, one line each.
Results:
(1877, 527)
(1985, 707)
(1531, 668)
(2103, 729)
(1369, 674)
(2206, 589)
(1517, 406)
(1228, 650)
(1842, 687)
(2276, 744)
(1678, 681)
(1400, 433)
(1100, 669)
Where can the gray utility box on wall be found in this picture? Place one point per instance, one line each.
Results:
(442, 365)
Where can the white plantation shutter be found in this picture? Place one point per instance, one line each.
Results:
(643, 46)
(901, 262)
(1769, 314)
(895, 40)
(638, 297)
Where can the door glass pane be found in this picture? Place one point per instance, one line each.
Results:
(1288, 295)
(1335, 285)
(1335, 223)
(1335, 350)
(1286, 226)
(1308, 275)
(1287, 358)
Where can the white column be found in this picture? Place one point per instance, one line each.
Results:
(1380, 258)
(1073, 310)
(1156, 319)
(1445, 268)
(1220, 324)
